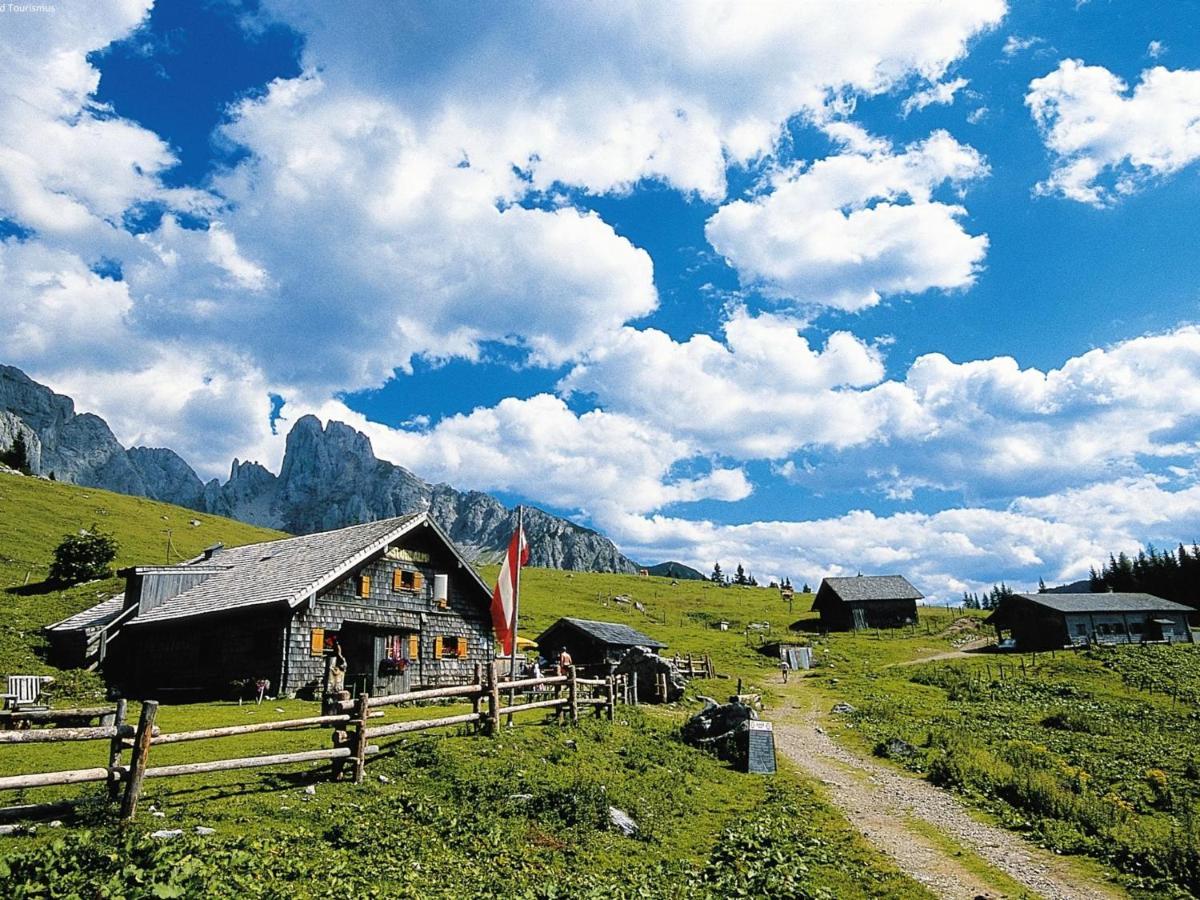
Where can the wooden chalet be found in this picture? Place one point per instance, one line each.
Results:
(866, 601)
(398, 598)
(594, 646)
(1052, 621)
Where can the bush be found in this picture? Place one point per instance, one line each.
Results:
(83, 557)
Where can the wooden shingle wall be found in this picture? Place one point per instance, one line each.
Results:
(388, 610)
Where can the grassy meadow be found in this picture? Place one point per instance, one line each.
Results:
(1094, 753)
(442, 814)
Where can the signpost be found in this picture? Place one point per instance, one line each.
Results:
(760, 755)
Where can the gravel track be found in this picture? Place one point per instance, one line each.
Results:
(881, 803)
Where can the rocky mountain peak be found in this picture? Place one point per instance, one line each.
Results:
(330, 478)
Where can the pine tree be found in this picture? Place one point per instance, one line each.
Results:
(739, 576)
(82, 557)
(717, 576)
(17, 456)
(806, 589)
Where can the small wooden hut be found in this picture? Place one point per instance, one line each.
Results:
(866, 601)
(594, 646)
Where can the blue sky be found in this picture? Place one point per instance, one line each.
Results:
(741, 282)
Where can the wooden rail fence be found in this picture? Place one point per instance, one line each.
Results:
(349, 719)
(694, 666)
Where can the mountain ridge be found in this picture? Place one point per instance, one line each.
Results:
(329, 478)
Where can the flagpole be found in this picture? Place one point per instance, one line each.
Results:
(512, 671)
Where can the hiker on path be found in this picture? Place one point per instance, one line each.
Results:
(784, 668)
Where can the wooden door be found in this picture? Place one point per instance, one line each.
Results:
(393, 665)
(358, 646)
(860, 618)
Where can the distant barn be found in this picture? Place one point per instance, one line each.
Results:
(866, 601)
(592, 645)
(1050, 621)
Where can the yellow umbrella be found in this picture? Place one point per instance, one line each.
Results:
(524, 643)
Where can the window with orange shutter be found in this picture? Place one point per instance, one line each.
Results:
(364, 585)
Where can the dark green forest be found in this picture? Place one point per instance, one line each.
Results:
(1172, 575)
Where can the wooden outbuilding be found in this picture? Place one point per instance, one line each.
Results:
(866, 601)
(594, 646)
(396, 596)
(1052, 621)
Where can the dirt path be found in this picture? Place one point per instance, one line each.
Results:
(892, 810)
(962, 652)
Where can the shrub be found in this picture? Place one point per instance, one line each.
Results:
(83, 557)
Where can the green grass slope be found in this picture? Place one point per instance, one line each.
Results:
(523, 815)
(36, 514)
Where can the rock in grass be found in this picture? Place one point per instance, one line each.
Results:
(205, 830)
(167, 833)
(843, 707)
(311, 789)
(622, 821)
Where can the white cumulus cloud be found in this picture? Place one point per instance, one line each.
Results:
(850, 229)
(1107, 140)
(939, 94)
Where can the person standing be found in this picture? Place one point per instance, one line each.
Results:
(784, 668)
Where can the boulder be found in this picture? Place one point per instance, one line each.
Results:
(720, 730)
(646, 666)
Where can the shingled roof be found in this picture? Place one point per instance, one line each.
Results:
(608, 632)
(92, 617)
(873, 587)
(1105, 602)
(288, 571)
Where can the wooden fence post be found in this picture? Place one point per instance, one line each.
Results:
(493, 700)
(612, 698)
(633, 682)
(114, 752)
(572, 696)
(477, 699)
(362, 709)
(137, 762)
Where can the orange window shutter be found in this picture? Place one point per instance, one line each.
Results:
(462, 648)
(317, 645)
(364, 585)
(418, 580)
(414, 646)
(437, 647)
(397, 579)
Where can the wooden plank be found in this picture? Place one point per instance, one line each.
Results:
(55, 735)
(533, 682)
(493, 698)
(460, 690)
(250, 762)
(572, 695)
(42, 715)
(540, 704)
(591, 682)
(421, 725)
(45, 779)
(137, 763)
(360, 736)
(114, 751)
(38, 810)
(232, 730)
